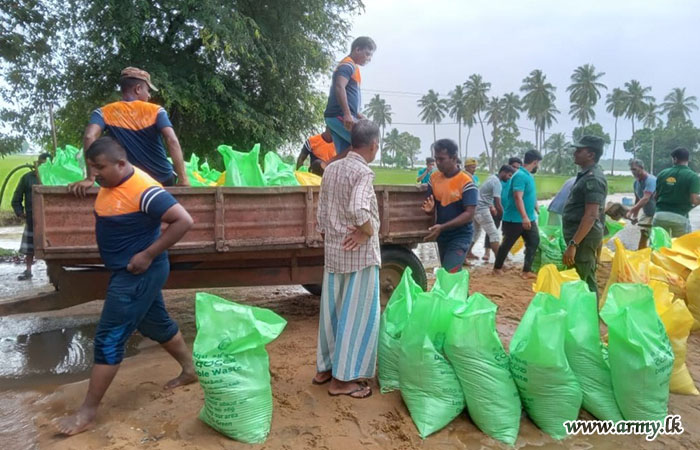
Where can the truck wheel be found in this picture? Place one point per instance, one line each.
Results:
(313, 289)
(394, 260)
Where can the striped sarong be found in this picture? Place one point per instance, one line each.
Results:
(349, 324)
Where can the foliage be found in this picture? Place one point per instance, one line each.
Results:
(461, 111)
(560, 155)
(236, 72)
(379, 111)
(665, 140)
(636, 99)
(433, 109)
(584, 93)
(593, 129)
(476, 91)
(502, 114)
(401, 149)
(538, 101)
(678, 106)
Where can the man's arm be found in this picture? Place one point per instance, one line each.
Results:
(359, 212)
(92, 132)
(18, 197)
(302, 155)
(339, 84)
(176, 154)
(518, 198)
(179, 222)
(695, 192)
(590, 215)
(499, 206)
(640, 204)
(460, 220)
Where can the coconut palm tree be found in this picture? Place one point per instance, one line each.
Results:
(636, 99)
(584, 93)
(615, 102)
(512, 105)
(380, 112)
(651, 120)
(433, 109)
(678, 106)
(476, 90)
(559, 158)
(538, 101)
(495, 115)
(458, 110)
(392, 145)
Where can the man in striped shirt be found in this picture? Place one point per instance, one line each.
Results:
(348, 219)
(451, 197)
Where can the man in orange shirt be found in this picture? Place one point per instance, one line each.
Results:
(321, 150)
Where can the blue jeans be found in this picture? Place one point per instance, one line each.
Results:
(341, 135)
(453, 249)
(134, 302)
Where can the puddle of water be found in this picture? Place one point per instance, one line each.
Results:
(48, 351)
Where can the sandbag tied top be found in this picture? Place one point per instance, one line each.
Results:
(242, 168)
(584, 351)
(391, 326)
(548, 388)
(482, 366)
(639, 350)
(233, 367)
(428, 383)
(452, 285)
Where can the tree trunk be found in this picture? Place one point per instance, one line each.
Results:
(634, 142)
(381, 149)
(483, 133)
(432, 149)
(53, 128)
(653, 138)
(459, 127)
(466, 143)
(612, 167)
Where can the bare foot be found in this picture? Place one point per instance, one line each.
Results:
(486, 257)
(529, 275)
(472, 256)
(186, 377)
(354, 389)
(76, 423)
(322, 377)
(498, 272)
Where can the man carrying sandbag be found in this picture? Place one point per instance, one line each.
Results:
(644, 190)
(140, 127)
(677, 192)
(348, 219)
(321, 150)
(583, 219)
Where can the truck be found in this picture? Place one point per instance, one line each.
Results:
(240, 237)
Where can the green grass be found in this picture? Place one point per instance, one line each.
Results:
(547, 185)
(6, 165)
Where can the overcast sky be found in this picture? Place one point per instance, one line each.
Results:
(437, 44)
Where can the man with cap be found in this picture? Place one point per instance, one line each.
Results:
(470, 168)
(140, 127)
(583, 219)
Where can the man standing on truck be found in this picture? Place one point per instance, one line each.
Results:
(130, 209)
(452, 198)
(348, 220)
(140, 127)
(22, 206)
(321, 150)
(345, 99)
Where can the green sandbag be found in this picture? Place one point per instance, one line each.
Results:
(551, 248)
(453, 285)
(659, 238)
(208, 173)
(67, 166)
(233, 367)
(641, 358)
(242, 168)
(613, 228)
(192, 168)
(482, 366)
(548, 387)
(277, 172)
(583, 351)
(543, 216)
(391, 327)
(428, 383)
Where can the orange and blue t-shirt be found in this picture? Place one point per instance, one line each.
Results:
(452, 197)
(137, 126)
(351, 71)
(128, 218)
(318, 148)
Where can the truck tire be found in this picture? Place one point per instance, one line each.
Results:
(395, 259)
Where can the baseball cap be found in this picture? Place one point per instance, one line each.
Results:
(135, 72)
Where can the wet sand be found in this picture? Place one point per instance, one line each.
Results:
(137, 413)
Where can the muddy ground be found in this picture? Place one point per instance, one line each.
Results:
(137, 413)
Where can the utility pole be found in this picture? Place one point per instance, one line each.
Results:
(53, 128)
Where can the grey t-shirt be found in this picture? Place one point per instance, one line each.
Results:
(488, 191)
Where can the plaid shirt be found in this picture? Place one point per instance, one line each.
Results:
(347, 199)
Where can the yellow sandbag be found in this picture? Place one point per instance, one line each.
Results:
(682, 258)
(519, 244)
(675, 282)
(222, 179)
(308, 178)
(662, 260)
(692, 286)
(606, 255)
(627, 267)
(663, 297)
(678, 321)
(203, 180)
(549, 279)
(688, 244)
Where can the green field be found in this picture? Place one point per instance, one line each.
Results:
(6, 165)
(547, 185)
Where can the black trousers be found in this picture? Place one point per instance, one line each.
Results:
(511, 232)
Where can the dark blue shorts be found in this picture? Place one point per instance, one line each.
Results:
(134, 302)
(341, 135)
(453, 250)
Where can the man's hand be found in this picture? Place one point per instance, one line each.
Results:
(527, 225)
(569, 256)
(348, 121)
(494, 211)
(433, 233)
(361, 116)
(139, 263)
(354, 240)
(183, 182)
(429, 205)
(79, 188)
